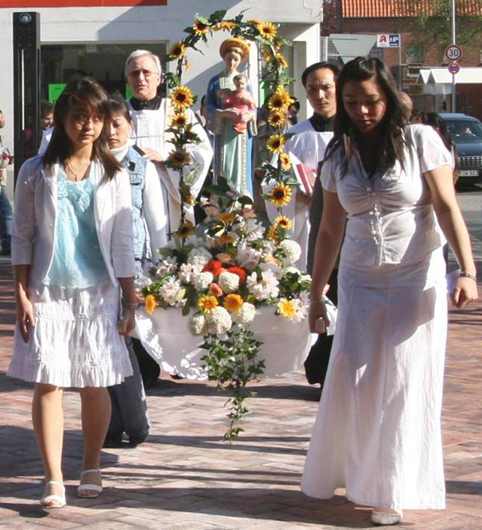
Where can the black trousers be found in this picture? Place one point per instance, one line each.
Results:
(316, 364)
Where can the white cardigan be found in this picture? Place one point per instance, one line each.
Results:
(34, 224)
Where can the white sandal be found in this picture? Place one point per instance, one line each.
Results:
(89, 487)
(386, 517)
(60, 499)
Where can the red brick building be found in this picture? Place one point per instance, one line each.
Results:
(374, 17)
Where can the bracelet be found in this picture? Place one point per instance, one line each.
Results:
(464, 274)
(129, 305)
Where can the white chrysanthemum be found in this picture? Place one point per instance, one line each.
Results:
(265, 288)
(248, 257)
(199, 257)
(228, 282)
(277, 271)
(245, 315)
(219, 320)
(291, 250)
(202, 281)
(172, 292)
(198, 325)
(166, 265)
(194, 241)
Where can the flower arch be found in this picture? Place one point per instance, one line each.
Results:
(275, 81)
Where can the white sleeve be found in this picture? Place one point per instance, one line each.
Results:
(153, 210)
(328, 173)
(431, 150)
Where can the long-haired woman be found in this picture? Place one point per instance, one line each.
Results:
(388, 193)
(71, 250)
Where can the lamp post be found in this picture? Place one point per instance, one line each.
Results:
(454, 94)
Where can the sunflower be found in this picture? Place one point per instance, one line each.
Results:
(182, 98)
(233, 303)
(207, 303)
(267, 54)
(271, 233)
(186, 229)
(283, 222)
(254, 22)
(178, 158)
(150, 304)
(200, 28)
(179, 120)
(224, 26)
(226, 217)
(225, 239)
(285, 161)
(177, 50)
(287, 308)
(187, 64)
(276, 143)
(280, 195)
(281, 60)
(267, 30)
(276, 118)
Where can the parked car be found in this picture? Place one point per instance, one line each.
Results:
(466, 132)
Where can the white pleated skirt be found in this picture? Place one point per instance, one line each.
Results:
(75, 342)
(378, 432)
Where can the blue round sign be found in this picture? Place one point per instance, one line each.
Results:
(454, 68)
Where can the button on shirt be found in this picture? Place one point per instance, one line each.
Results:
(390, 216)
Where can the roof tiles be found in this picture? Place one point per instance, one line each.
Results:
(401, 8)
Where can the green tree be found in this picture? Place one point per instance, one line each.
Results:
(430, 22)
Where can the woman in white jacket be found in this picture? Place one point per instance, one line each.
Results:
(71, 248)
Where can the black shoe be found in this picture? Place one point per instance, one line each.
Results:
(137, 440)
(113, 440)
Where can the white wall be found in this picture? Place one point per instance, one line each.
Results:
(158, 24)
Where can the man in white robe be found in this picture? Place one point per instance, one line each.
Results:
(151, 116)
(308, 144)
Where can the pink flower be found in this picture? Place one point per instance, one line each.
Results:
(215, 290)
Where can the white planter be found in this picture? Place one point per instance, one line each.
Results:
(166, 337)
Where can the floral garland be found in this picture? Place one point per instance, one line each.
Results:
(236, 265)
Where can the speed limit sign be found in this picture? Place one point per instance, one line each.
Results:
(453, 52)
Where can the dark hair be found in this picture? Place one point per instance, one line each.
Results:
(434, 120)
(46, 108)
(391, 141)
(118, 107)
(318, 66)
(82, 91)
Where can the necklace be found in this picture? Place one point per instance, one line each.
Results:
(74, 174)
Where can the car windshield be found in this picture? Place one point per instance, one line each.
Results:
(464, 130)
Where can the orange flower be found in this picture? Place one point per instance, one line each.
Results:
(207, 303)
(240, 272)
(150, 304)
(233, 303)
(225, 240)
(214, 266)
(226, 217)
(215, 290)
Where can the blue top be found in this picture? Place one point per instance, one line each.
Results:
(77, 260)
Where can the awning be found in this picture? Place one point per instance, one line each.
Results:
(439, 80)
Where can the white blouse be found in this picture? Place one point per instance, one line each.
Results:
(390, 217)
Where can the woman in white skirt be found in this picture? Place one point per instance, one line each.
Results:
(388, 195)
(71, 249)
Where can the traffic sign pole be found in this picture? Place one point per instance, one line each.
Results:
(454, 41)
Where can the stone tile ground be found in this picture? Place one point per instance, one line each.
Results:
(186, 478)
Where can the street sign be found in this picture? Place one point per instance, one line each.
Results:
(453, 52)
(454, 68)
(388, 40)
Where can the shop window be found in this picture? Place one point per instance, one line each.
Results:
(104, 62)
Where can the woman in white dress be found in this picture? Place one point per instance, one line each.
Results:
(388, 187)
(71, 249)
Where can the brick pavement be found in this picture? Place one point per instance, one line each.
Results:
(186, 478)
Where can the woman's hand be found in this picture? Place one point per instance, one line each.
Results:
(318, 311)
(127, 322)
(152, 155)
(465, 291)
(25, 316)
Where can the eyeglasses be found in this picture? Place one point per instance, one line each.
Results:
(146, 73)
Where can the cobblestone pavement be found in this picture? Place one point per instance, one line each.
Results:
(186, 478)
